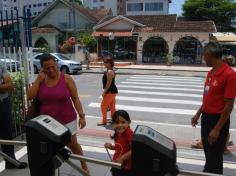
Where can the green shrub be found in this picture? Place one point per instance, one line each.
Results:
(17, 100)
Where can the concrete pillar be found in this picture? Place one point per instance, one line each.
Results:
(139, 49)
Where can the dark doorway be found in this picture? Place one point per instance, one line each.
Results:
(41, 43)
(155, 50)
(187, 51)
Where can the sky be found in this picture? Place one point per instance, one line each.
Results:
(176, 7)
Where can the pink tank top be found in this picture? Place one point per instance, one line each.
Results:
(56, 101)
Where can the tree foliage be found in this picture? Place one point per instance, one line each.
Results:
(222, 12)
(87, 40)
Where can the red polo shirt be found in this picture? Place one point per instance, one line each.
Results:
(218, 86)
(122, 146)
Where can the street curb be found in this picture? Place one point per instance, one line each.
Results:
(174, 73)
(157, 69)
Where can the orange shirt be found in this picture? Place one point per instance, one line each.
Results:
(218, 86)
(122, 146)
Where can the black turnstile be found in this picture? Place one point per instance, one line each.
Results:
(153, 154)
(45, 139)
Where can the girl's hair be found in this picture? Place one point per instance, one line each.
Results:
(46, 57)
(109, 59)
(121, 113)
(124, 114)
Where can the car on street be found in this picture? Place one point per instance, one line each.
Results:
(106, 53)
(119, 54)
(11, 64)
(64, 63)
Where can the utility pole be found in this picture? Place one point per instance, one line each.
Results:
(74, 21)
(74, 33)
(22, 39)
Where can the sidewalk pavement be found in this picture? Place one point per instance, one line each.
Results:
(97, 152)
(131, 65)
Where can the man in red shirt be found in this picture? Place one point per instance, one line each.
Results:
(218, 102)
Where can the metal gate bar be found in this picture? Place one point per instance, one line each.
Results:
(103, 162)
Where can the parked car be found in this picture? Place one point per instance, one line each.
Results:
(11, 64)
(106, 53)
(122, 53)
(64, 63)
(119, 54)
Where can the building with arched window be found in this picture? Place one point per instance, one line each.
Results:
(154, 37)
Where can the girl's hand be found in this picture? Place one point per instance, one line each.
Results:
(119, 160)
(108, 145)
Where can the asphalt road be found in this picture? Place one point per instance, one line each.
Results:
(165, 103)
(148, 98)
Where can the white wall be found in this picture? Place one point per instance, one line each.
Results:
(50, 38)
(33, 5)
(171, 38)
(108, 4)
(165, 7)
(61, 17)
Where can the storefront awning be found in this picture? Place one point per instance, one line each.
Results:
(225, 38)
(116, 34)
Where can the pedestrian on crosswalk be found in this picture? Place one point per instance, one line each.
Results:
(217, 105)
(109, 90)
(122, 143)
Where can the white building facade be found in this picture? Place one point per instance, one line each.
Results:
(35, 6)
(147, 7)
(100, 4)
(131, 7)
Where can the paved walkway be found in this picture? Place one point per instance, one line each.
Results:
(97, 152)
(129, 65)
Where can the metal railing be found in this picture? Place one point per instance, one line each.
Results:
(92, 160)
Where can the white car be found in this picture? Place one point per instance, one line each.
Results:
(11, 64)
(64, 63)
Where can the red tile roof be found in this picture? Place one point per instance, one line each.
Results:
(194, 26)
(45, 29)
(95, 14)
(116, 34)
(168, 23)
(100, 14)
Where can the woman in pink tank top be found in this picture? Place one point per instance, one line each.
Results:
(57, 93)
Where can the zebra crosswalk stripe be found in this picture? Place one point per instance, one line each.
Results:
(160, 93)
(165, 81)
(158, 100)
(167, 78)
(161, 84)
(161, 88)
(149, 109)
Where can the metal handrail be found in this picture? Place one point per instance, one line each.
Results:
(105, 163)
(96, 161)
(10, 142)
